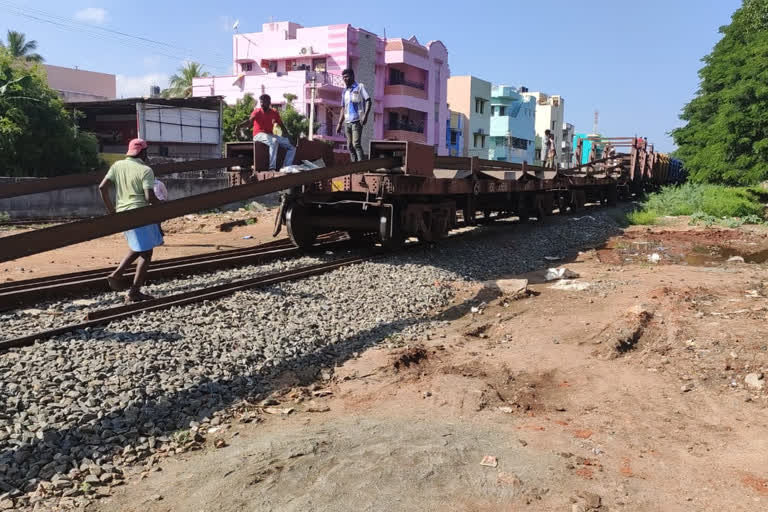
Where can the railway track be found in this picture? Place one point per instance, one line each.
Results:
(20, 293)
(105, 316)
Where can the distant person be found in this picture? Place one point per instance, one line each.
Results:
(134, 183)
(264, 120)
(548, 152)
(356, 105)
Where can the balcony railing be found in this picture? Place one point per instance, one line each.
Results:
(325, 78)
(406, 126)
(403, 81)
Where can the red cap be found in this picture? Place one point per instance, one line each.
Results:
(136, 146)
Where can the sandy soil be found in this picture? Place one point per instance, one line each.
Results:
(185, 236)
(623, 389)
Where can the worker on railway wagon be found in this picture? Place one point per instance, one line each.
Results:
(264, 120)
(134, 183)
(355, 107)
(548, 152)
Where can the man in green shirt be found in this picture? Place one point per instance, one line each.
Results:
(133, 182)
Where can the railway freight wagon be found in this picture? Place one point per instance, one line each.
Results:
(425, 196)
(668, 171)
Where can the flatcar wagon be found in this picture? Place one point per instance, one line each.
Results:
(425, 196)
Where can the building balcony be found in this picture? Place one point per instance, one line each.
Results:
(405, 90)
(323, 78)
(405, 135)
(409, 83)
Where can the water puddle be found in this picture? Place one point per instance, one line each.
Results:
(672, 252)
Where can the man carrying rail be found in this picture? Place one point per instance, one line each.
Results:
(134, 183)
(264, 120)
(355, 107)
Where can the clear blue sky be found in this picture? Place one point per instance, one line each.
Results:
(635, 62)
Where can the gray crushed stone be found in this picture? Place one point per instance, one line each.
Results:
(93, 402)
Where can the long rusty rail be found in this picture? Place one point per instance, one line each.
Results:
(94, 178)
(106, 316)
(34, 242)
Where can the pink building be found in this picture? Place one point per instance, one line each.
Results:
(81, 85)
(407, 80)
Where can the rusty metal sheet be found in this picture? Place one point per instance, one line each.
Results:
(418, 159)
(409, 185)
(41, 240)
(459, 163)
(94, 178)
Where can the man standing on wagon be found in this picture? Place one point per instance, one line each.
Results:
(355, 107)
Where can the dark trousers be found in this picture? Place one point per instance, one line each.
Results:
(354, 132)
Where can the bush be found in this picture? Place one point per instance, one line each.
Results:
(643, 217)
(704, 203)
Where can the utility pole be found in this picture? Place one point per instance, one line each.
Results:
(596, 123)
(312, 109)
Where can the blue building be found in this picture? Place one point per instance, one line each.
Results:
(586, 147)
(513, 126)
(454, 134)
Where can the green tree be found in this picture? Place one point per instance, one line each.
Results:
(180, 85)
(18, 46)
(297, 124)
(37, 134)
(234, 114)
(725, 139)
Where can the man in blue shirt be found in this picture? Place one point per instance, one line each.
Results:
(355, 106)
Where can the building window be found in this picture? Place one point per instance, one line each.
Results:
(480, 105)
(479, 140)
(518, 143)
(246, 66)
(502, 111)
(272, 66)
(396, 77)
(318, 65)
(454, 137)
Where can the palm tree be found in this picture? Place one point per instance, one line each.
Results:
(19, 47)
(181, 83)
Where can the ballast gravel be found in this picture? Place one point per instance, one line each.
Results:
(86, 404)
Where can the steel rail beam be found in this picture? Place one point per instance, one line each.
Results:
(46, 239)
(94, 178)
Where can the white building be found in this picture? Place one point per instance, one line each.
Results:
(471, 97)
(566, 154)
(550, 112)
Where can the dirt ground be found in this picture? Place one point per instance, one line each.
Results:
(637, 386)
(185, 236)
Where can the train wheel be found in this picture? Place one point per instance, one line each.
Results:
(470, 218)
(302, 235)
(562, 204)
(391, 233)
(578, 199)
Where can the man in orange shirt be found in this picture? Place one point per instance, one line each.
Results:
(264, 120)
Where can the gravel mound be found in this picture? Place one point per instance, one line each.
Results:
(81, 406)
